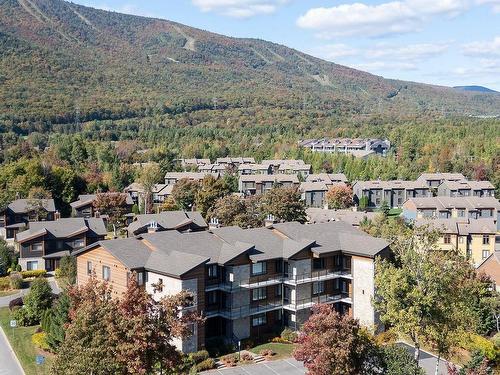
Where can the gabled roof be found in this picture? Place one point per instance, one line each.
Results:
(320, 215)
(275, 178)
(86, 199)
(22, 206)
(168, 220)
(63, 228)
(446, 203)
(189, 175)
(389, 185)
(442, 176)
(176, 253)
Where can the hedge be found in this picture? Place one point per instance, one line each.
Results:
(35, 273)
(4, 283)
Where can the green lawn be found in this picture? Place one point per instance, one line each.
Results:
(281, 350)
(20, 340)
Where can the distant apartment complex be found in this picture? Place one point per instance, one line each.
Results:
(394, 193)
(246, 282)
(358, 147)
(259, 183)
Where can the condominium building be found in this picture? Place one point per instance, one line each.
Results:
(182, 221)
(466, 189)
(84, 206)
(358, 147)
(259, 183)
(17, 215)
(247, 282)
(171, 178)
(327, 178)
(395, 192)
(433, 180)
(452, 207)
(44, 243)
(473, 238)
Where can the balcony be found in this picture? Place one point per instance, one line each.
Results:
(243, 311)
(317, 276)
(309, 302)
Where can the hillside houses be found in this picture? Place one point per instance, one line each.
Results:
(358, 147)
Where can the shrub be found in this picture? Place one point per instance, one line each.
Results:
(16, 280)
(230, 360)
(280, 340)
(38, 299)
(67, 268)
(198, 357)
(4, 283)
(40, 340)
(207, 364)
(482, 345)
(247, 357)
(288, 335)
(34, 273)
(267, 352)
(496, 340)
(387, 337)
(16, 302)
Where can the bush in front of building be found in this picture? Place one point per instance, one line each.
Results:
(288, 335)
(268, 353)
(207, 364)
(38, 299)
(230, 360)
(16, 280)
(198, 356)
(34, 273)
(4, 283)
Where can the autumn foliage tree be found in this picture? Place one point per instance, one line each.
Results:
(129, 334)
(284, 203)
(112, 204)
(330, 343)
(184, 193)
(339, 196)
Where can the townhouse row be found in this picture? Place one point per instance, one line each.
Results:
(358, 147)
(246, 282)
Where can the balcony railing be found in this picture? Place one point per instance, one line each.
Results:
(286, 278)
(309, 302)
(243, 311)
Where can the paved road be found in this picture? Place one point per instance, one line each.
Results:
(428, 361)
(4, 301)
(287, 366)
(8, 361)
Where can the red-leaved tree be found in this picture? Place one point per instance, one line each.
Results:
(330, 343)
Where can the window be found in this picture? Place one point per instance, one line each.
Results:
(447, 239)
(318, 263)
(212, 271)
(318, 287)
(258, 294)
(79, 243)
(89, 268)
(106, 273)
(336, 284)
(159, 285)
(37, 246)
(338, 260)
(461, 213)
(468, 253)
(279, 290)
(212, 297)
(486, 254)
(461, 239)
(59, 245)
(140, 278)
(259, 320)
(344, 286)
(279, 266)
(486, 239)
(258, 268)
(32, 265)
(279, 314)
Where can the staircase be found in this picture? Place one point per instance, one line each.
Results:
(258, 358)
(219, 365)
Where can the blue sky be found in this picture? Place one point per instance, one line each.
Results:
(446, 42)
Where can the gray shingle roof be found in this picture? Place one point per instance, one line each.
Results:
(63, 228)
(85, 199)
(320, 215)
(21, 206)
(176, 253)
(442, 203)
(167, 220)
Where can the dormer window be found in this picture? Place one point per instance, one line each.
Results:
(259, 268)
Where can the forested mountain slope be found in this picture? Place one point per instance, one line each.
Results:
(59, 61)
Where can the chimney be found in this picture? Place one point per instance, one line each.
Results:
(269, 221)
(153, 227)
(214, 223)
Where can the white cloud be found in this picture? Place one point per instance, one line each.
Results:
(413, 52)
(335, 51)
(239, 8)
(483, 48)
(393, 17)
(494, 3)
(385, 66)
(484, 67)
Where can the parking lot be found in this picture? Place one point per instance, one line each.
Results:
(287, 366)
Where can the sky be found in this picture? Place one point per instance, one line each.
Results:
(444, 42)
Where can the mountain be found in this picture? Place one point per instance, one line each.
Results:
(475, 88)
(62, 62)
